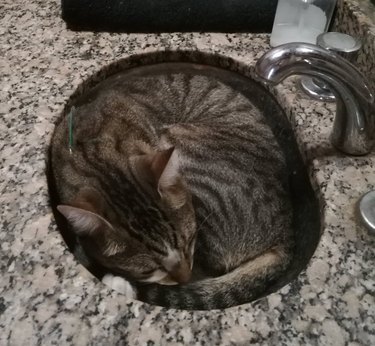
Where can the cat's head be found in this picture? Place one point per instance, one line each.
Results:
(149, 235)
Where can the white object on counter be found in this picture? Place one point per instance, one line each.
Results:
(300, 21)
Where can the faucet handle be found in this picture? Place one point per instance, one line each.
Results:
(341, 44)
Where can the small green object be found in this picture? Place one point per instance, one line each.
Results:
(70, 125)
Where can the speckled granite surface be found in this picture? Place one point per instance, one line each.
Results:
(47, 298)
(357, 18)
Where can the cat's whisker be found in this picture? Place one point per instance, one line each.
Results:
(204, 220)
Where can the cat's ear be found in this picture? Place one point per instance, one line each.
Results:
(84, 222)
(170, 183)
(159, 162)
(161, 168)
(150, 166)
(84, 212)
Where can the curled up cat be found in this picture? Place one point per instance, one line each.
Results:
(176, 183)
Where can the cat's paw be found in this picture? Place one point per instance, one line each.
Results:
(119, 284)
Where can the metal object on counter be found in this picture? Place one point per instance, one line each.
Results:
(316, 89)
(367, 210)
(342, 44)
(354, 125)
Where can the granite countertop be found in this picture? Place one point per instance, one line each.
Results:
(365, 11)
(46, 297)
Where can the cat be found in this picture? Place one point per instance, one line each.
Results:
(171, 174)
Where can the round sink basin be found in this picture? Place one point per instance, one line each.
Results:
(306, 214)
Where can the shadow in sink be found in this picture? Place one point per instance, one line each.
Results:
(306, 215)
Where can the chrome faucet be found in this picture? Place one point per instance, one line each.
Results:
(354, 124)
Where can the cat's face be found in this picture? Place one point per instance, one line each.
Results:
(151, 242)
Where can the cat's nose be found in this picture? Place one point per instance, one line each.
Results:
(181, 272)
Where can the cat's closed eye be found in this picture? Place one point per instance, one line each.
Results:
(148, 271)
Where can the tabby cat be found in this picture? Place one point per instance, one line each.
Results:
(170, 174)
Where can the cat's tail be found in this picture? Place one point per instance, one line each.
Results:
(239, 286)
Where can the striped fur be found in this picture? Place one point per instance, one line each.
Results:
(218, 197)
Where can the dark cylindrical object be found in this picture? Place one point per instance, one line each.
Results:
(170, 15)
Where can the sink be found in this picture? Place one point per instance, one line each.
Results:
(306, 210)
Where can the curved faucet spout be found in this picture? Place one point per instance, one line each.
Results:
(354, 125)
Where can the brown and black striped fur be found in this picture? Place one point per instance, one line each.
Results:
(170, 169)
